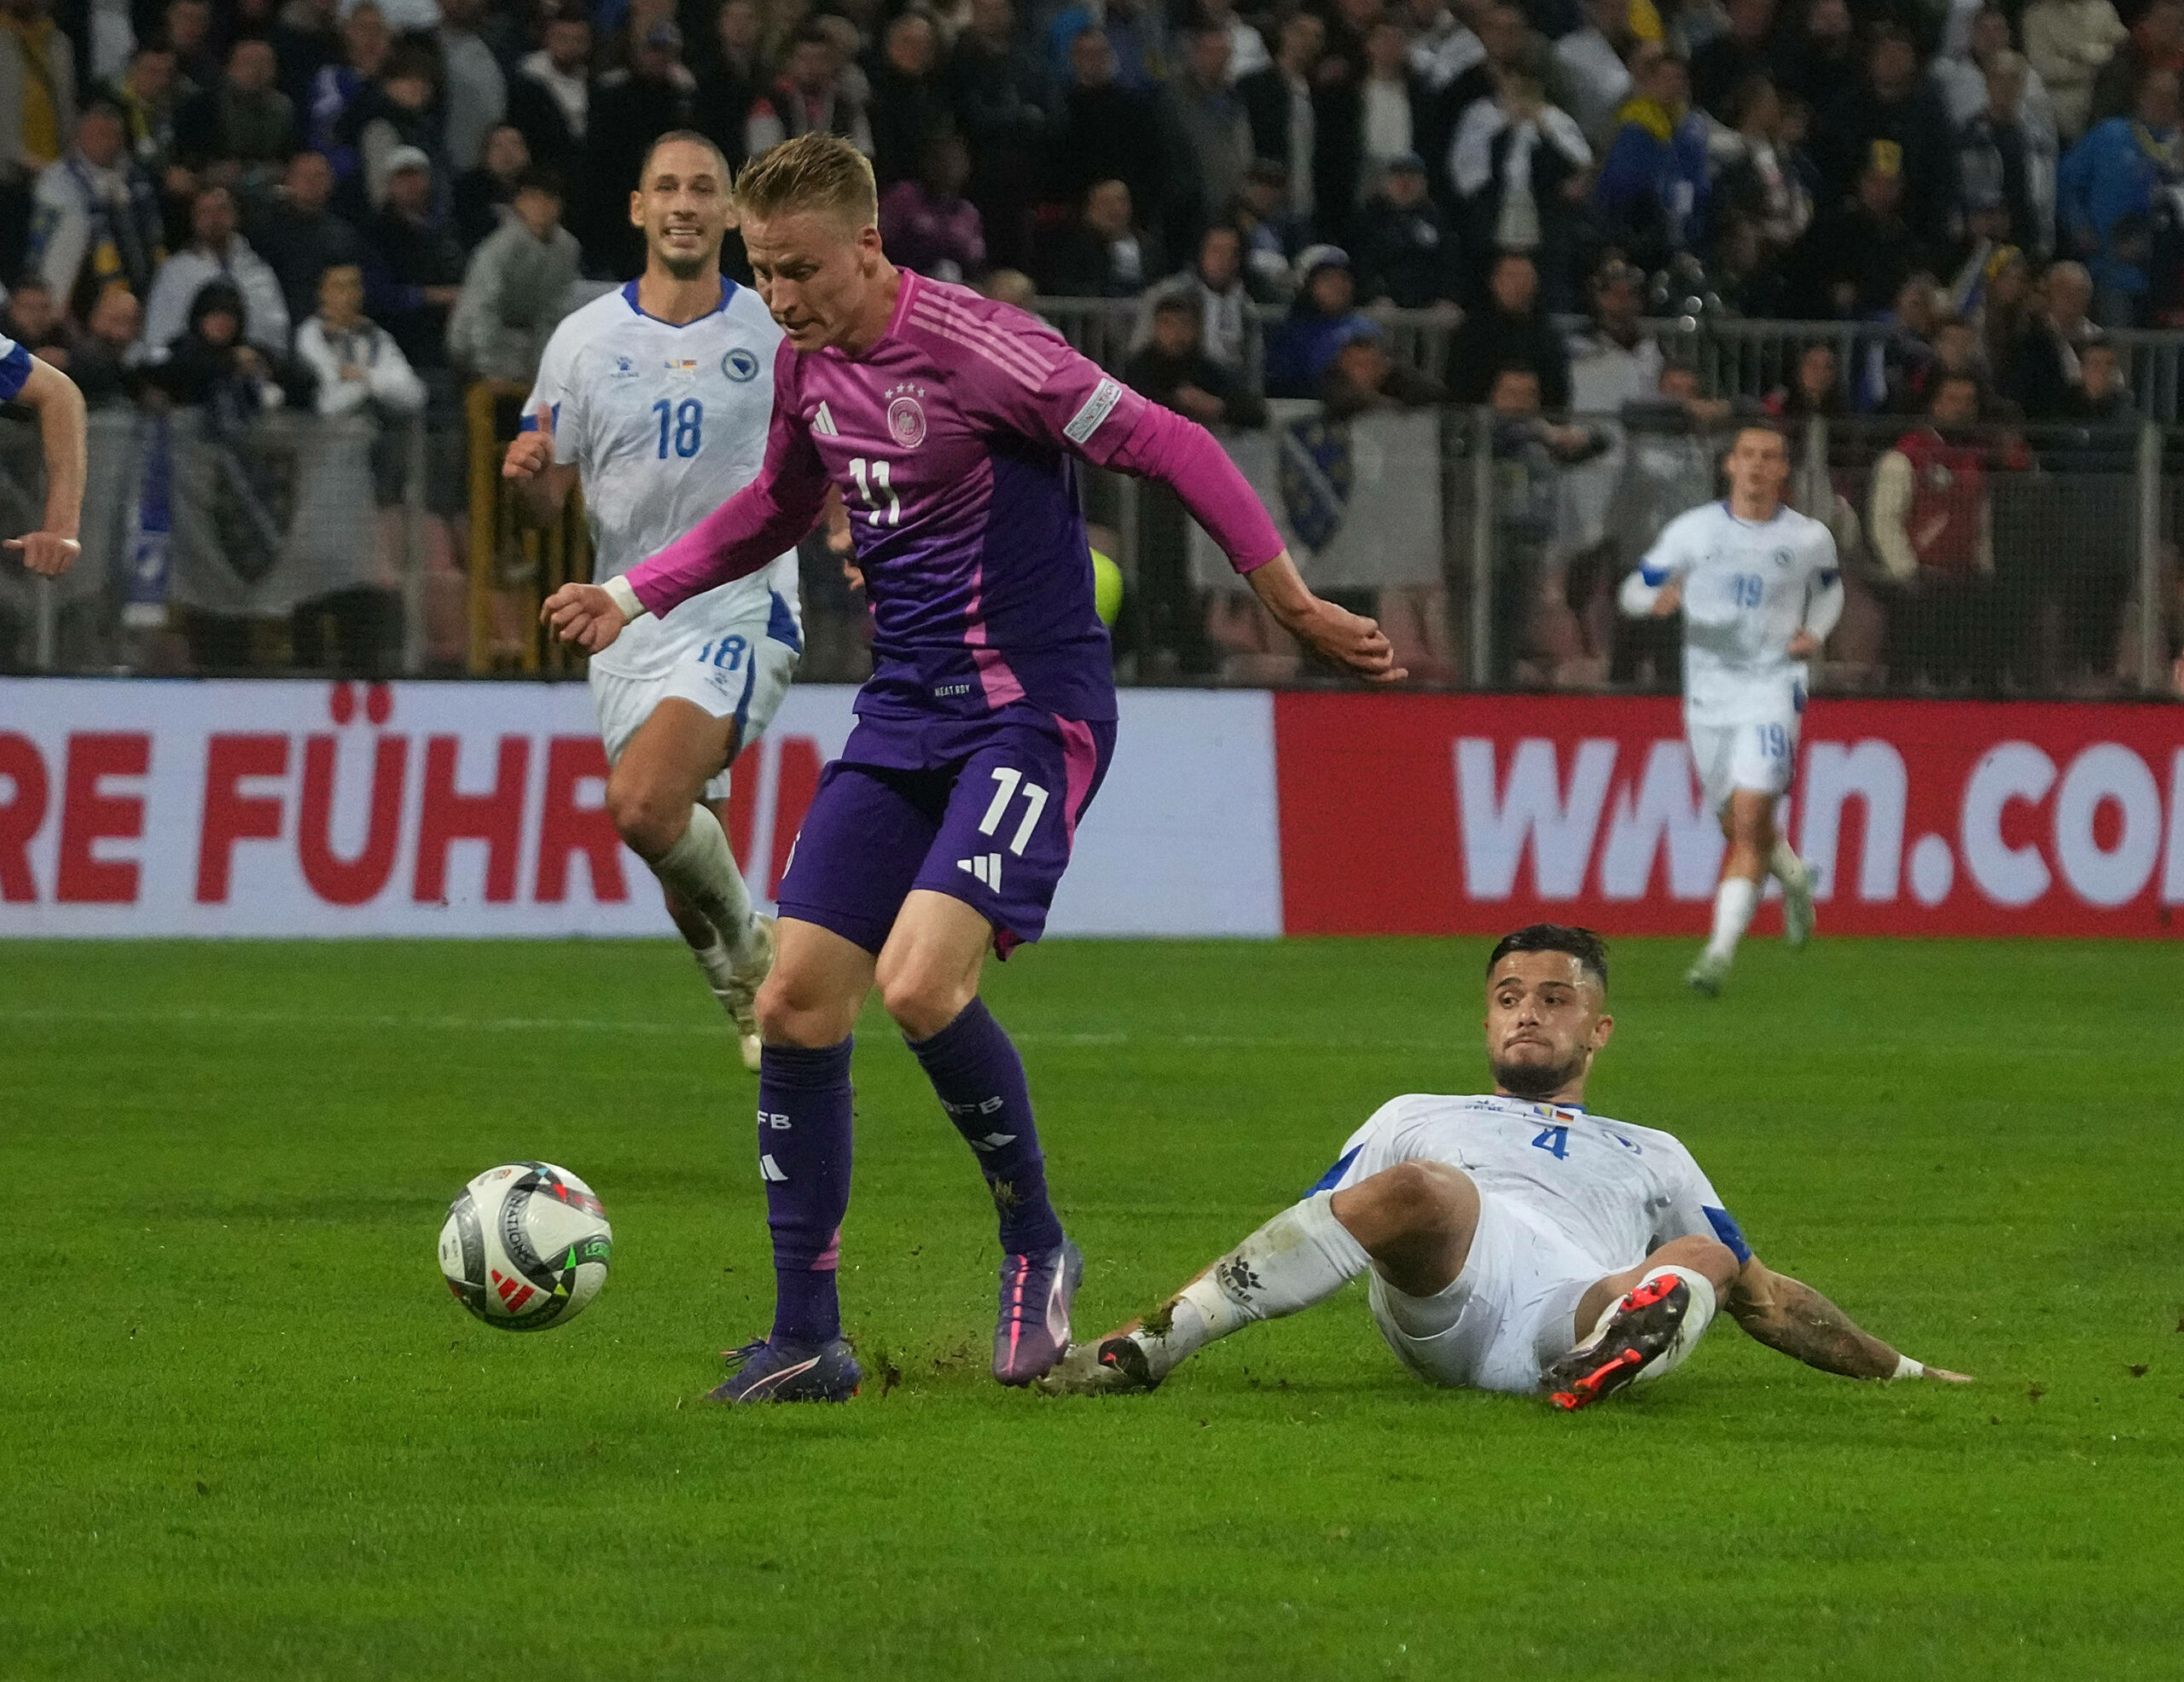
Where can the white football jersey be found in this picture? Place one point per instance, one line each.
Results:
(1619, 1191)
(665, 424)
(1746, 589)
(14, 368)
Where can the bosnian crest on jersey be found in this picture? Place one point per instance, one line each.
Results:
(906, 415)
(739, 365)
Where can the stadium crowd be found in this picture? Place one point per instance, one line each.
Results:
(337, 205)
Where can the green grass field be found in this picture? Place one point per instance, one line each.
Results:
(245, 1431)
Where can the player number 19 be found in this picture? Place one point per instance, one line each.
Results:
(872, 484)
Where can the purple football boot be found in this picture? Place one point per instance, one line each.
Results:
(787, 1372)
(1032, 1333)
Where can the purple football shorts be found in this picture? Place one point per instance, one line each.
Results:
(985, 809)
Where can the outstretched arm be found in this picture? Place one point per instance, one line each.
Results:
(1790, 1316)
(52, 548)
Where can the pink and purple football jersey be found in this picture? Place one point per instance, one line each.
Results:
(949, 440)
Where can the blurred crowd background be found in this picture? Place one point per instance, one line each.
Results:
(1504, 270)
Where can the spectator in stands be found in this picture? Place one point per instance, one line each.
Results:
(997, 88)
(241, 132)
(1386, 117)
(1443, 46)
(515, 291)
(220, 357)
(1855, 257)
(1107, 255)
(1895, 113)
(1956, 355)
(2111, 186)
(1519, 165)
(1279, 101)
(1814, 388)
(2068, 43)
(2002, 164)
(97, 221)
(1134, 34)
(300, 237)
(2048, 366)
(1963, 80)
(216, 252)
(1535, 635)
(1668, 465)
(366, 43)
(1613, 361)
(2091, 577)
(477, 89)
(731, 81)
(1105, 131)
(631, 107)
(926, 224)
(1210, 122)
(1406, 253)
(398, 112)
(2155, 44)
(1247, 53)
(1274, 234)
(1174, 368)
(34, 320)
(1591, 76)
(909, 105)
(1652, 188)
(1214, 285)
(1745, 49)
(189, 31)
(144, 94)
(101, 355)
(2004, 309)
(1766, 180)
(1820, 64)
(38, 113)
(1510, 329)
(813, 94)
(1363, 377)
(550, 99)
(1506, 47)
(413, 275)
(355, 361)
(483, 195)
(1299, 348)
(307, 40)
(1931, 522)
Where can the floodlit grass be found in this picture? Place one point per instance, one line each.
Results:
(245, 1431)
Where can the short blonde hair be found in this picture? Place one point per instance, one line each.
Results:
(815, 171)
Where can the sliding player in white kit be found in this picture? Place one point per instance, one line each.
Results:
(1760, 591)
(658, 396)
(1515, 1241)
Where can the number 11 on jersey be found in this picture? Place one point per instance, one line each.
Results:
(872, 483)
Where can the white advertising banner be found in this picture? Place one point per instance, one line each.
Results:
(162, 808)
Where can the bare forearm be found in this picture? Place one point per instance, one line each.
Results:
(1281, 590)
(60, 428)
(1794, 1318)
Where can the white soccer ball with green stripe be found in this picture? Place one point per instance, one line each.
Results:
(525, 1246)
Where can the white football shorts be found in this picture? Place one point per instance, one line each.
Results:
(739, 671)
(1757, 756)
(1509, 1315)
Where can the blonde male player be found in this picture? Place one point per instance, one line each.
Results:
(1759, 589)
(1516, 1241)
(657, 396)
(52, 396)
(950, 424)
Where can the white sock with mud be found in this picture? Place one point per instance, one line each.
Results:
(1785, 866)
(719, 964)
(700, 871)
(1301, 1257)
(1734, 903)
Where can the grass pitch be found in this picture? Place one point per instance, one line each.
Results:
(245, 1432)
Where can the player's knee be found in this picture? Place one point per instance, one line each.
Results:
(923, 998)
(1422, 1197)
(647, 816)
(1716, 1260)
(791, 1011)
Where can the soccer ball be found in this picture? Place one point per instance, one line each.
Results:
(525, 1246)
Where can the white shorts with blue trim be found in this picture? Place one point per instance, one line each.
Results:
(1759, 755)
(1508, 1315)
(742, 671)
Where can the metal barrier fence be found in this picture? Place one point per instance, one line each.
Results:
(1491, 547)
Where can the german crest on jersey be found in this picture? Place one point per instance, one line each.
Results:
(906, 416)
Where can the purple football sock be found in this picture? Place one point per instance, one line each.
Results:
(975, 1070)
(804, 1156)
